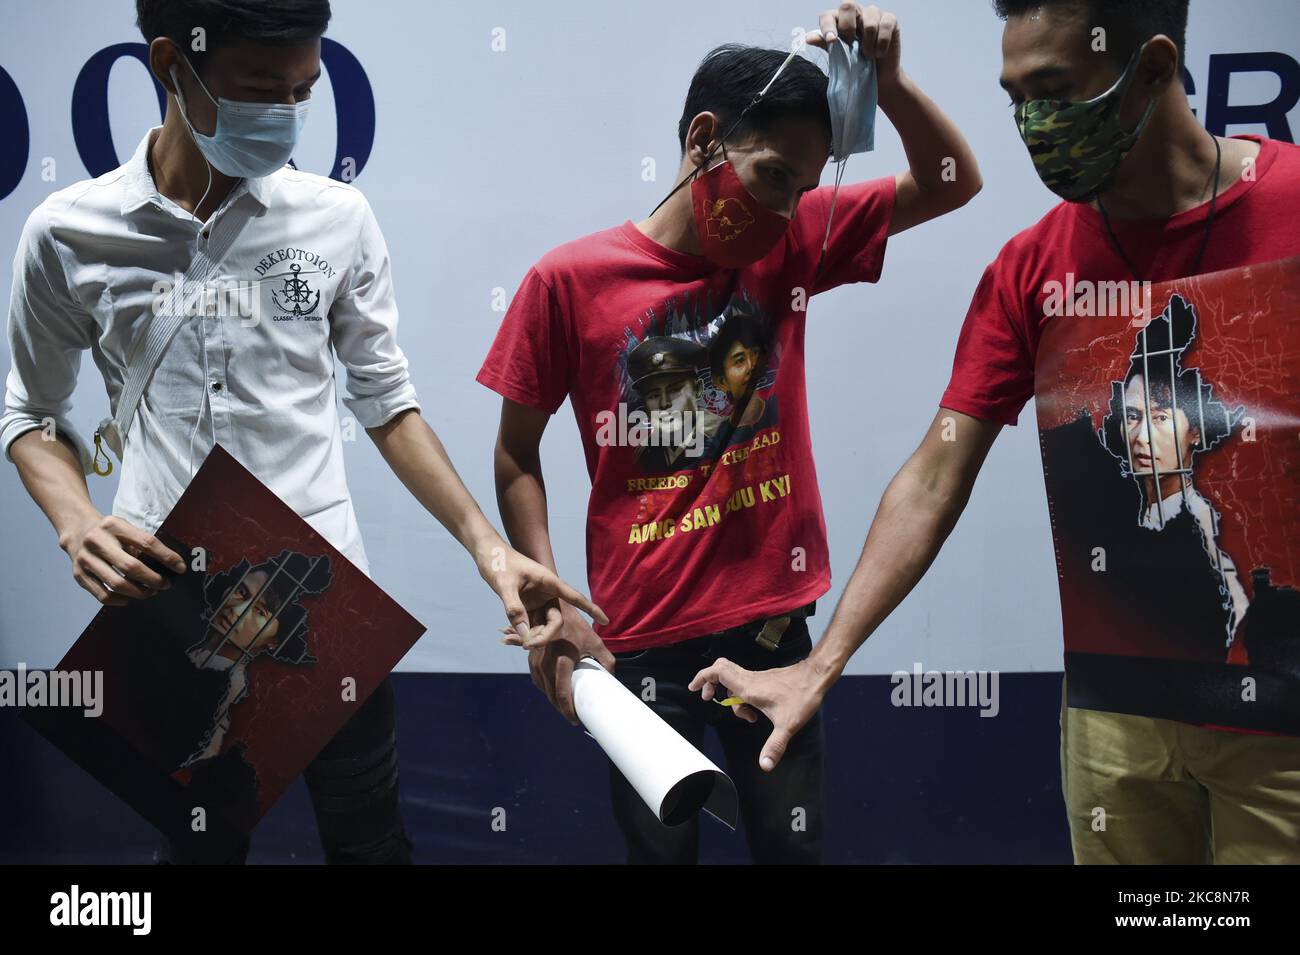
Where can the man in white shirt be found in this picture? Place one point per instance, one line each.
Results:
(294, 271)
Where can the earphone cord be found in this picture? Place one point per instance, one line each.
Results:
(203, 332)
(205, 400)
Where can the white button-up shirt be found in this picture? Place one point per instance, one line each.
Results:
(306, 279)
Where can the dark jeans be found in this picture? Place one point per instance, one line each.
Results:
(781, 810)
(353, 789)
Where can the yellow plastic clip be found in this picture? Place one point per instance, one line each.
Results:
(107, 468)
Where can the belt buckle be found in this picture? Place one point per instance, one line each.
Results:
(773, 629)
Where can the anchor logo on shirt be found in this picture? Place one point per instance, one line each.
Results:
(297, 293)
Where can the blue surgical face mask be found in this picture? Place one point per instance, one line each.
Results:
(851, 95)
(250, 140)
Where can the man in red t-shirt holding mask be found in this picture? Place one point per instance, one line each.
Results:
(1150, 196)
(679, 342)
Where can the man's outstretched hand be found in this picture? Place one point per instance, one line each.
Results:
(532, 595)
(788, 696)
(551, 665)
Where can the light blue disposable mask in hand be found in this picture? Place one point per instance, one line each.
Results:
(250, 140)
(852, 95)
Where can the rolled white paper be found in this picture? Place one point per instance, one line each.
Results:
(674, 778)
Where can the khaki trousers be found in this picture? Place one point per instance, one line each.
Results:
(1149, 791)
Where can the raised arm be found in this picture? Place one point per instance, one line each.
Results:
(942, 173)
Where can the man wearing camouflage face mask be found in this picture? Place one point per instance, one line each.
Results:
(1153, 197)
(1078, 146)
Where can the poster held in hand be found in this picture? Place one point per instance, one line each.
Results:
(219, 690)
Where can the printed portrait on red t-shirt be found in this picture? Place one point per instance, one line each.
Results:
(698, 379)
(1172, 465)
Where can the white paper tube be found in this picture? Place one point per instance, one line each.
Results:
(674, 778)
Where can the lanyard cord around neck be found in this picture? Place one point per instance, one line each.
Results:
(1209, 221)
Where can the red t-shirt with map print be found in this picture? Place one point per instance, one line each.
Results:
(687, 383)
(1257, 220)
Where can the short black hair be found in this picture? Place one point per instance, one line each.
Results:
(268, 22)
(728, 77)
(1128, 23)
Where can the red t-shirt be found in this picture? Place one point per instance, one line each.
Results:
(714, 518)
(1258, 220)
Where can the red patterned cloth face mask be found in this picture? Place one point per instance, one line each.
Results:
(734, 228)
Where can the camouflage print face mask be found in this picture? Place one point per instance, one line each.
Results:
(1076, 147)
